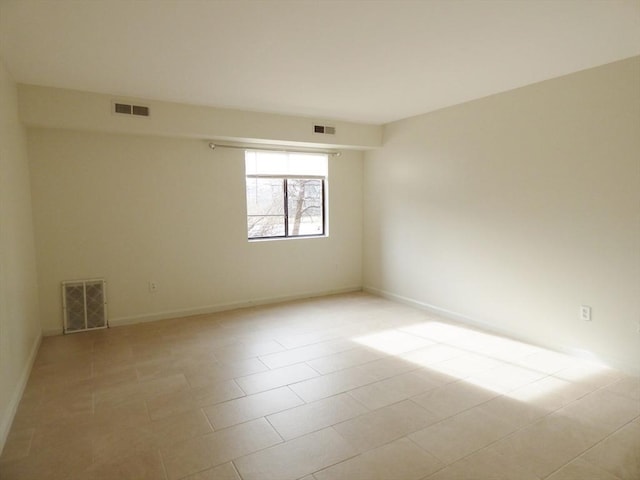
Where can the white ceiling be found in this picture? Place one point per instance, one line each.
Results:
(364, 61)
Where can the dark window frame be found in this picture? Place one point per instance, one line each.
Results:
(285, 179)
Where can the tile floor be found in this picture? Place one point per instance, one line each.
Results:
(342, 387)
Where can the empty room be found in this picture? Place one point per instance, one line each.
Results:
(319, 240)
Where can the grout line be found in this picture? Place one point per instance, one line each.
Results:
(208, 419)
(275, 429)
(236, 469)
(164, 468)
(306, 362)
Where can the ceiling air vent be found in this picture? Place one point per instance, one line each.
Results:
(127, 109)
(324, 129)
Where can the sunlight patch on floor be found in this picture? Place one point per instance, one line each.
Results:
(393, 342)
(491, 362)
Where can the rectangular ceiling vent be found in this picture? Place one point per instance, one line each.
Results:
(127, 109)
(324, 129)
(84, 303)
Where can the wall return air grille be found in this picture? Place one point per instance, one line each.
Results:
(128, 109)
(324, 129)
(84, 303)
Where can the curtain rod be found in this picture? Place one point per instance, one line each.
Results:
(213, 146)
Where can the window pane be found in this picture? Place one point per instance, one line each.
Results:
(305, 207)
(265, 207)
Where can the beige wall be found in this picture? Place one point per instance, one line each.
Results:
(19, 323)
(74, 110)
(515, 209)
(137, 208)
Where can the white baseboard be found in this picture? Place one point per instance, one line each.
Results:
(50, 332)
(16, 396)
(221, 307)
(458, 317)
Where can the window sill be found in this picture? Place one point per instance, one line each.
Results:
(280, 239)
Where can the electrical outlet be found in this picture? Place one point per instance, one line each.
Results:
(585, 313)
(153, 286)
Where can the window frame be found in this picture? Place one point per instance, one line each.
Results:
(285, 179)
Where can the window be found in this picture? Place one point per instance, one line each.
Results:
(285, 194)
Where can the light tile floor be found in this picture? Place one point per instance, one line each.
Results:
(342, 387)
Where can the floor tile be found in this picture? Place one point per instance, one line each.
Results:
(129, 414)
(170, 404)
(199, 377)
(619, 454)
(438, 331)
(386, 367)
(226, 471)
(484, 465)
(394, 389)
(581, 470)
(17, 445)
(144, 466)
(548, 444)
(513, 412)
(393, 342)
(140, 390)
(252, 406)
(57, 462)
(458, 436)
(549, 393)
(401, 459)
(217, 393)
(346, 359)
(310, 417)
(627, 387)
(185, 400)
(505, 378)
(302, 354)
(333, 383)
(295, 458)
(548, 362)
(247, 349)
(384, 425)
(123, 443)
(602, 408)
(259, 382)
(234, 442)
(586, 373)
(467, 365)
(176, 428)
(453, 398)
(65, 407)
(147, 466)
(186, 458)
(432, 355)
(201, 453)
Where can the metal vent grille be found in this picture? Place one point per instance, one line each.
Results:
(127, 109)
(324, 129)
(122, 108)
(140, 110)
(85, 305)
